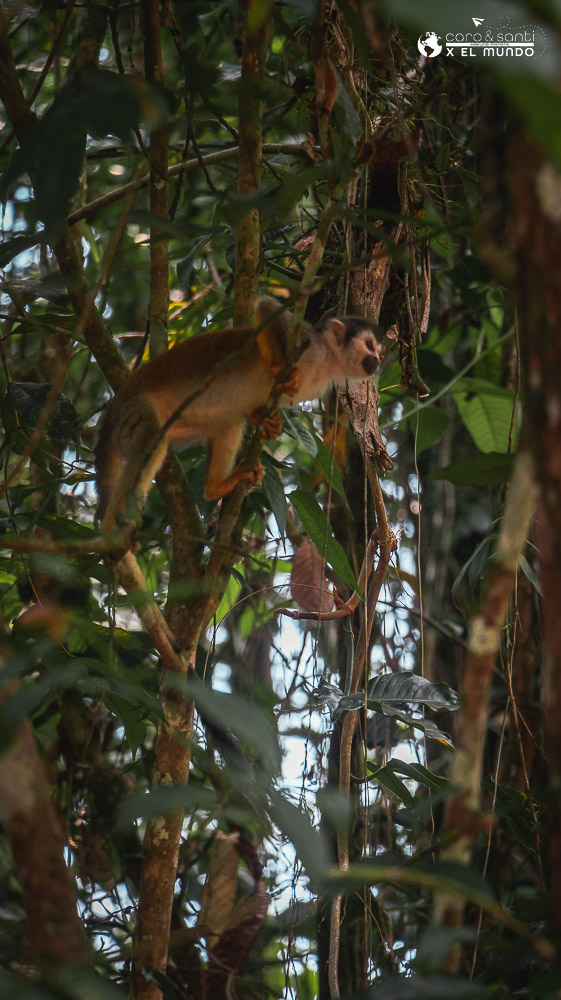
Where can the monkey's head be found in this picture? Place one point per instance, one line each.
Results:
(358, 343)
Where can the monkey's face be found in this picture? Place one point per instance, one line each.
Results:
(362, 353)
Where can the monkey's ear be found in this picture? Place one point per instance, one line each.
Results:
(338, 329)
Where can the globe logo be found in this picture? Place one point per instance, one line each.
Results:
(429, 44)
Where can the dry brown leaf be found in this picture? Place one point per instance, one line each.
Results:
(308, 585)
(219, 893)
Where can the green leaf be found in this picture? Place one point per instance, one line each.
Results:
(436, 696)
(273, 489)
(132, 717)
(318, 529)
(392, 689)
(93, 101)
(432, 367)
(418, 773)
(330, 695)
(305, 438)
(431, 731)
(408, 688)
(311, 845)
(443, 158)
(530, 574)
(347, 116)
(394, 786)
(77, 984)
(429, 424)
(466, 589)
(492, 469)
(389, 384)
(447, 876)
(331, 470)
(426, 988)
(24, 402)
(184, 267)
(487, 412)
(539, 101)
(164, 800)
(235, 714)
(232, 592)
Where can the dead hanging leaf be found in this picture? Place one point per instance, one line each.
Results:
(305, 243)
(47, 616)
(220, 888)
(94, 864)
(231, 951)
(327, 87)
(308, 585)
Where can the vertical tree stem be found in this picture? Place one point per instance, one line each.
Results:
(161, 844)
(159, 255)
(463, 808)
(250, 110)
(54, 932)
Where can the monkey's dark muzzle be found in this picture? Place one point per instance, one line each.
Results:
(370, 365)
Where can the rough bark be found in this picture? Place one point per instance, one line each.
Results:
(250, 111)
(535, 186)
(462, 819)
(54, 932)
(161, 846)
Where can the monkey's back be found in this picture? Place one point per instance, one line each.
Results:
(207, 378)
(193, 358)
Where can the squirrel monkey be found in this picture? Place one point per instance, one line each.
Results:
(208, 388)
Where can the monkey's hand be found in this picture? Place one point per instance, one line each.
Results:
(270, 426)
(292, 385)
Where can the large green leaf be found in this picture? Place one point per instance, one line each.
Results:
(318, 529)
(232, 713)
(428, 425)
(487, 412)
(304, 436)
(385, 692)
(539, 101)
(273, 489)
(331, 470)
(95, 102)
(492, 469)
(408, 688)
(418, 773)
(312, 847)
(392, 689)
(426, 988)
(393, 785)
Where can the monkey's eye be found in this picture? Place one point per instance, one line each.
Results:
(369, 344)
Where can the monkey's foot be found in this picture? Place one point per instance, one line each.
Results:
(255, 475)
(213, 490)
(270, 426)
(292, 385)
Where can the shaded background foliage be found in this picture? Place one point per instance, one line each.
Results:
(416, 159)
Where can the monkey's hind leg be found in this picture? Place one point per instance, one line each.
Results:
(221, 455)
